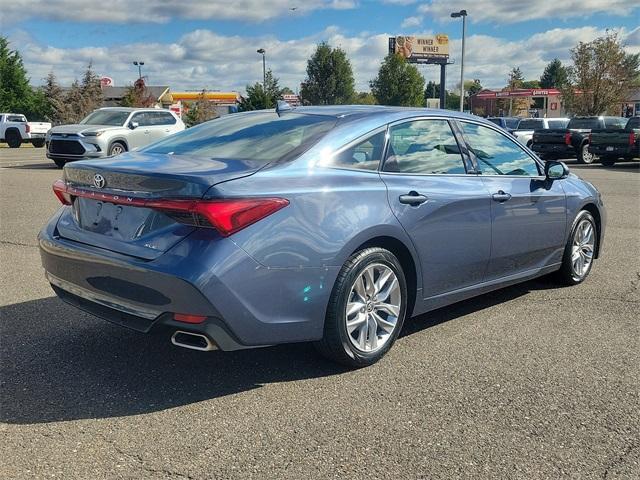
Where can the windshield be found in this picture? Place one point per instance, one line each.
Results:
(584, 123)
(531, 124)
(263, 136)
(114, 118)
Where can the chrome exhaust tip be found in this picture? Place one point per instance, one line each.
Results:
(193, 341)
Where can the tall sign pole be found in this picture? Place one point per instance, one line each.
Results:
(463, 14)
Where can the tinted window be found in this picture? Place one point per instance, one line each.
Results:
(558, 124)
(617, 123)
(585, 123)
(497, 121)
(496, 153)
(163, 118)
(364, 155)
(115, 118)
(531, 124)
(423, 147)
(512, 122)
(144, 119)
(634, 122)
(261, 136)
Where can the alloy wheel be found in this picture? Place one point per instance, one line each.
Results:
(373, 306)
(582, 248)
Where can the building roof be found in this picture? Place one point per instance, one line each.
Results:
(113, 95)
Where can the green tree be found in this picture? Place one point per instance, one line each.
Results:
(398, 83)
(600, 77)
(432, 90)
(16, 94)
(90, 90)
(202, 110)
(365, 98)
(137, 96)
(329, 77)
(472, 86)
(554, 75)
(516, 78)
(260, 97)
(531, 84)
(57, 110)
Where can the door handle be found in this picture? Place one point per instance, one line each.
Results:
(412, 198)
(501, 196)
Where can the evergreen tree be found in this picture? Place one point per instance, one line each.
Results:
(202, 110)
(554, 75)
(329, 77)
(57, 108)
(260, 97)
(398, 83)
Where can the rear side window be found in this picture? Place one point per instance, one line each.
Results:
(260, 136)
(163, 118)
(496, 153)
(364, 155)
(558, 124)
(531, 124)
(423, 147)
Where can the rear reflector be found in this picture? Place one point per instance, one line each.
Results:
(567, 138)
(632, 138)
(225, 215)
(186, 318)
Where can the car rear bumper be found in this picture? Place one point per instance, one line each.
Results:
(559, 149)
(245, 304)
(617, 151)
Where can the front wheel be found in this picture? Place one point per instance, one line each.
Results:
(580, 250)
(116, 148)
(13, 139)
(38, 143)
(585, 156)
(366, 310)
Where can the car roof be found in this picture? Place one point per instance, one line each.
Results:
(134, 109)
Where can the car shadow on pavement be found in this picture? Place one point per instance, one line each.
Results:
(59, 364)
(35, 166)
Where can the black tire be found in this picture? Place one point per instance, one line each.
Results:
(59, 162)
(115, 146)
(39, 143)
(566, 274)
(13, 139)
(585, 156)
(608, 161)
(335, 344)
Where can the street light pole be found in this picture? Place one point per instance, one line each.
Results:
(262, 51)
(139, 65)
(463, 14)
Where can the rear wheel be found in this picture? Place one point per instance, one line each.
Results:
(116, 148)
(366, 309)
(585, 156)
(39, 143)
(580, 250)
(13, 139)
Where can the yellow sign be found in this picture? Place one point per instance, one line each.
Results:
(422, 48)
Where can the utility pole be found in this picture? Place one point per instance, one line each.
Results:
(463, 14)
(139, 64)
(262, 51)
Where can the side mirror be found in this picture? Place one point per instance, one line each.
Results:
(133, 125)
(555, 170)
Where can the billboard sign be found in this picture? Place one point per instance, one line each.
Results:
(421, 49)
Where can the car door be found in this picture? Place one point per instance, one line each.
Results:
(161, 124)
(528, 212)
(141, 135)
(445, 210)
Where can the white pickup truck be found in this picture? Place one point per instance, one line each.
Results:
(15, 130)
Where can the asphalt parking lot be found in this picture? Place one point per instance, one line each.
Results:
(533, 381)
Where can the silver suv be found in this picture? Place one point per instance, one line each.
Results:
(110, 131)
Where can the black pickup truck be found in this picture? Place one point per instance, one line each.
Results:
(613, 144)
(574, 140)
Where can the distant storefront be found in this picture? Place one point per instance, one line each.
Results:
(179, 102)
(631, 106)
(523, 102)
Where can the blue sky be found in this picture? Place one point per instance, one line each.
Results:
(211, 43)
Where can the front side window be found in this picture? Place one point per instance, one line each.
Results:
(496, 153)
(143, 119)
(364, 155)
(423, 147)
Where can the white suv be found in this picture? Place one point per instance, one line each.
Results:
(110, 131)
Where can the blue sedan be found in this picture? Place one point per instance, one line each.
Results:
(329, 225)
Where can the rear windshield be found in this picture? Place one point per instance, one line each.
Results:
(512, 122)
(585, 123)
(263, 136)
(16, 118)
(531, 124)
(114, 118)
(558, 124)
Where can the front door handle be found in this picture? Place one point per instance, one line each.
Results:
(412, 198)
(501, 196)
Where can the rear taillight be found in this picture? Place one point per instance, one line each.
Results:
(227, 216)
(632, 138)
(187, 318)
(567, 138)
(27, 128)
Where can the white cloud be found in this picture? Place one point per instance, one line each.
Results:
(412, 21)
(206, 59)
(161, 11)
(515, 11)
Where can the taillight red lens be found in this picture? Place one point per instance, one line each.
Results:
(27, 128)
(186, 318)
(632, 138)
(226, 215)
(567, 138)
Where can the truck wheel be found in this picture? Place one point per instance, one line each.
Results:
(585, 156)
(366, 309)
(13, 138)
(116, 148)
(608, 161)
(39, 143)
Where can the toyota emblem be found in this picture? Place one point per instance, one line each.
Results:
(99, 181)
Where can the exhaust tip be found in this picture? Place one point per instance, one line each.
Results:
(193, 341)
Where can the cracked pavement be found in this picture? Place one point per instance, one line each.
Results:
(532, 381)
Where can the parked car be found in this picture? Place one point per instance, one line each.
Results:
(316, 224)
(572, 141)
(526, 127)
(508, 123)
(15, 130)
(110, 131)
(610, 145)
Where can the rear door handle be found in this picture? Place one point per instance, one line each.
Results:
(412, 198)
(501, 196)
